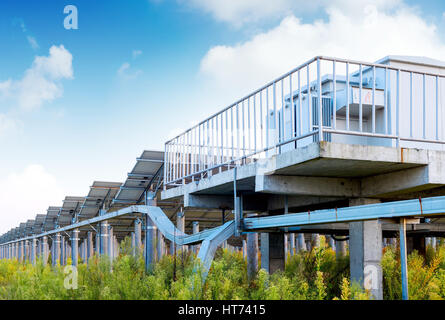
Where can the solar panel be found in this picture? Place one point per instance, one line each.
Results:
(101, 194)
(147, 166)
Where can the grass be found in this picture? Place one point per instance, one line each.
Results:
(307, 276)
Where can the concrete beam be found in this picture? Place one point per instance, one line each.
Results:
(310, 186)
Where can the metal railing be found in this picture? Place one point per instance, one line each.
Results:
(355, 102)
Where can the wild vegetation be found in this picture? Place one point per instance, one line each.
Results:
(317, 274)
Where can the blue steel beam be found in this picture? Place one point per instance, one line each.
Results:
(407, 208)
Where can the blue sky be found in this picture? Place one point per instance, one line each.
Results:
(142, 71)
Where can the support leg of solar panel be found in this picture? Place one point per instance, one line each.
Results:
(74, 247)
(45, 250)
(195, 228)
(180, 225)
(301, 242)
(264, 237)
(104, 238)
(90, 250)
(365, 252)
(138, 235)
(252, 255)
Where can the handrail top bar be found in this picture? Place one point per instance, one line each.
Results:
(301, 66)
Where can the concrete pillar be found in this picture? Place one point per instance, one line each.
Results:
(104, 238)
(90, 245)
(45, 250)
(252, 255)
(315, 240)
(160, 245)
(26, 258)
(33, 251)
(292, 243)
(340, 249)
(301, 242)
(286, 246)
(22, 251)
(56, 245)
(195, 224)
(244, 249)
(331, 243)
(133, 244)
(74, 247)
(98, 243)
(150, 241)
(365, 252)
(110, 252)
(138, 235)
(264, 249)
(62, 250)
(434, 242)
(180, 225)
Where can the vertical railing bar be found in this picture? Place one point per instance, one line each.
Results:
(424, 106)
(292, 108)
(437, 108)
(249, 138)
(309, 96)
(347, 96)
(300, 109)
(385, 101)
(283, 111)
(360, 108)
(243, 127)
(267, 118)
(199, 149)
(334, 98)
(411, 104)
(254, 124)
(320, 102)
(277, 137)
(232, 136)
(237, 132)
(373, 99)
(398, 109)
(261, 120)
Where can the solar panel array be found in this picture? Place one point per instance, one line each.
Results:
(146, 175)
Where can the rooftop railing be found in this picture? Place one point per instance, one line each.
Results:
(355, 102)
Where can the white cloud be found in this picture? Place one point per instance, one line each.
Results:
(238, 13)
(246, 66)
(136, 53)
(8, 125)
(33, 42)
(126, 73)
(41, 82)
(25, 194)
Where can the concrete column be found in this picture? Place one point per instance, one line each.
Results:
(116, 247)
(301, 242)
(22, 251)
(98, 243)
(264, 237)
(244, 249)
(26, 257)
(180, 225)
(292, 243)
(150, 241)
(74, 247)
(110, 243)
(331, 242)
(340, 249)
(104, 238)
(286, 246)
(62, 251)
(160, 244)
(365, 252)
(33, 251)
(90, 245)
(195, 224)
(434, 242)
(315, 240)
(138, 235)
(56, 245)
(44, 251)
(252, 255)
(133, 244)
